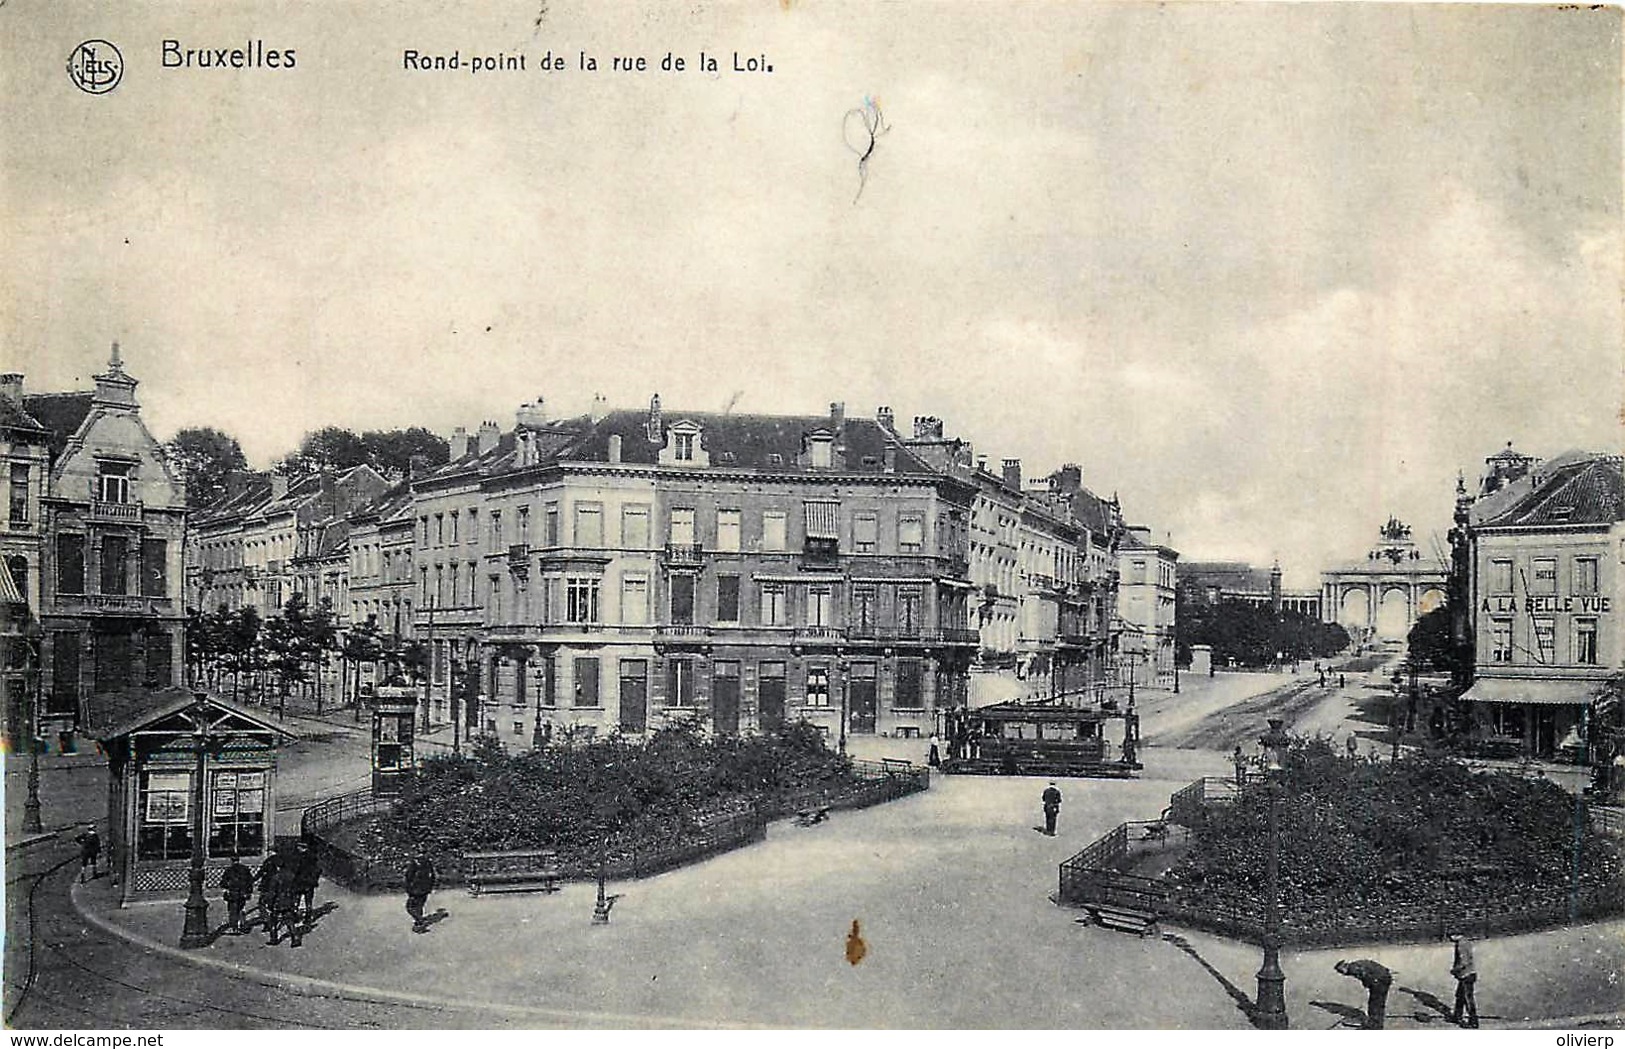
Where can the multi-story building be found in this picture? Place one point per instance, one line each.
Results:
(626, 570)
(1545, 544)
(110, 578)
(1147, 582)
(381, 577)
(25, 459)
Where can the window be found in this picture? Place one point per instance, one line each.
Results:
(473, 527)
(550, 535)
(581, 600)
(865, 602)
(19, 493)
(237, 814)
(1501, 577)
(819, 449)
(774, 530)
(115, 564)
(1585, 641)
(423, 586)
(635, 600)
(820, 606)
(682, 526)
(1585, 575)
(70, 564)
(496, 529)
(586, 694)
(154, 568)
(728, 599)
(908, 611)
(910, 533)
(775, 609)
(166, 816)
(589, 524)
(439, 529)
(113, 482)
(454, 517)
(909, 693)
(494, 597)
(635, 527)
(1137, 572)
(682, 598)
(1545, 576)
(423, 528)
(18, 566)
(524, 524)
(818, 686)
(728, 531)
(682, 445)
(865, 533)
(1500, 640)
(1545, 639)
(680, 683)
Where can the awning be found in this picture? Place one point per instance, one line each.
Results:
(10, 589)
(823, 520)
(1531, 690)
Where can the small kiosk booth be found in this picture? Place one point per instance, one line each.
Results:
(394, 714)
(194, 768)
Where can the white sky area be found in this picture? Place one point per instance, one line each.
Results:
(1269, 273)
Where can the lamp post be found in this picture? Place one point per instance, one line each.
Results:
(195, 932)
(33, 637)
(1269, 1013)
(844, 688)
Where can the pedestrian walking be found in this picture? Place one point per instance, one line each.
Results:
(1052, 807)
(1342, 681)
(1239, 760)
(237, 885)
(307, 874)
(284, 904)
(933, 754)
(1353, 747)
(420, 881)
(90, 850)
(265, 877)
(1462, 967)
(1376, 978)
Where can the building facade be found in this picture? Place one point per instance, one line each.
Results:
(1147, 586)
(1545, 543)
(111, 567)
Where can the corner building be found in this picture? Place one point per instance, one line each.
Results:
(633, 569)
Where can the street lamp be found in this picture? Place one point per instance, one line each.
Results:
(195, 933)
(33, 638)
(1269, 1013)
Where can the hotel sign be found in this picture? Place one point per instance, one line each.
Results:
(1546, 604)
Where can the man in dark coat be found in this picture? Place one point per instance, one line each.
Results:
(266, 877)
(1052, 807)
(1465, 970)
(1376, 978)
(284, 904)
(420, 881)
(90, 849)
(307, 874)
(236, 884)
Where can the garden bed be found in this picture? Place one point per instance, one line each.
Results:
(641, 808)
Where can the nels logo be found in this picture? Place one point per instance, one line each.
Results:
(96, 67)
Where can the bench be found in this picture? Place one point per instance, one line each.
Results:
(809, 816)
(1125, 919)
(524, 870)
(893, 766)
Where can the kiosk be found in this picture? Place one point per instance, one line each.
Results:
(166, 766)
(394, 713)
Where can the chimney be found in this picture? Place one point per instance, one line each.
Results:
(1068, 480)
(490, 433)
(837, 413)
(459, 444)
(981, 464)
(279, 485)
(614, 447)
(528, 414)
(884, 416)
(11, 385)
(655, 428)
(1012, 473)
(600, 408)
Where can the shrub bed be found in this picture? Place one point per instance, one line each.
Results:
(1414, 841)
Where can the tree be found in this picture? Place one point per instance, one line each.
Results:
(1429, 643)
(391, 451)
(205, 458)
(331, 447)
(361, 645)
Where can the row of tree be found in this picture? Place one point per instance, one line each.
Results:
(1252, 635)
(288, 651)
(208, 458)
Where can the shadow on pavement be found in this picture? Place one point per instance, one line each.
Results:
(1243, 1002)
(1347, 1015)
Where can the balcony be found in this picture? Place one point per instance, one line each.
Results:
(519, 559)
(126, 603)
(682, 630)
(685, 555)
(124, 512)
(820, 555)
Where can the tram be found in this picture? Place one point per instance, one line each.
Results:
(1042, 739)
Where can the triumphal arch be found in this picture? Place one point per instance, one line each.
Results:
(1386, 593)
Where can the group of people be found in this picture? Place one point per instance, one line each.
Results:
(286, 886)
(1376, 978)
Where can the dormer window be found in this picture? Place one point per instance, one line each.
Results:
(113, 482)
(682, 447)
(820, 450)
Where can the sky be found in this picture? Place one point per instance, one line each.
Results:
(1269, 273)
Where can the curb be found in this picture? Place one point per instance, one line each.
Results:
(317, 987)
(30, 840)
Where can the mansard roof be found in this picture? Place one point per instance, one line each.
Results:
(59, 414)
(14, 417)
(1574, 489)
